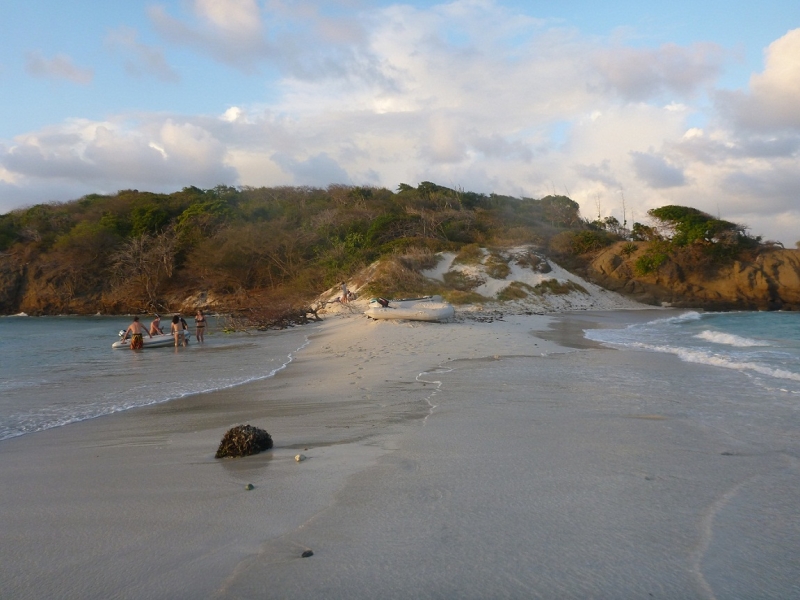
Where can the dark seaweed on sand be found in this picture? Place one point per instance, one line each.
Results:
(243, 440)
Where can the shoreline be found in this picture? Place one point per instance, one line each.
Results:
(394, 419)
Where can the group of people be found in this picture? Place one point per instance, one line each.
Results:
(178, 329)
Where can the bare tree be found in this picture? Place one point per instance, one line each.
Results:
(144, 263)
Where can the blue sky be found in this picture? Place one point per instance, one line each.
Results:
(683, 102)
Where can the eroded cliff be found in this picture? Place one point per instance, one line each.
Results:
(768, 280)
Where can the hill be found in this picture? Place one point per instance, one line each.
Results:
(266, 253)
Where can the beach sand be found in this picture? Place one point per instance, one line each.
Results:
(458, 460)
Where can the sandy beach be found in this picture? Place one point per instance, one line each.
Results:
(495, 458)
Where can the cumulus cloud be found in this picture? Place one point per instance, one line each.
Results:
(320, 170)
(773, 101)
(298, 38)
(58, 67)
(231, 31)
(655, 171)
(644, 73)
(467, 94)
(140, 59)
(113, 155)
(600, 172)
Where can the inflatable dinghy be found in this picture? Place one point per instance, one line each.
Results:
(427, 308)
(157, 341)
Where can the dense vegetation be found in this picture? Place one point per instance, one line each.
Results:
(143, 251)
(686, 235)
(279, 247)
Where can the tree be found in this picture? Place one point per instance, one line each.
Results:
(143, 264)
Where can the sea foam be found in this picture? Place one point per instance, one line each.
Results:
(695, 355)
(729, 339)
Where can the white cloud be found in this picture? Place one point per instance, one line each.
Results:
(773, 101)
(58, 67)
(467, 94)
(213, 31)
(320, 170)
(643, 73)
(112, 155)
(140, 59)
(656, 172)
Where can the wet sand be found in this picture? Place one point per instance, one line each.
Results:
(470, 460)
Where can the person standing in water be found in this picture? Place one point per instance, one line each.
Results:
(137, 338)
(155, 326)
(199, 326)
(177, 330)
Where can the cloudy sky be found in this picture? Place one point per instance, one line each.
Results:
(641, 103)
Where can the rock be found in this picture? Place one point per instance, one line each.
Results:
(300, 457)
(249, 487)
(243, 440)
(307, 553)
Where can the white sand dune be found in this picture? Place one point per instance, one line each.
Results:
(585, 296)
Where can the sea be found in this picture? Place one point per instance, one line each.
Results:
(764, 347)
(59, 370)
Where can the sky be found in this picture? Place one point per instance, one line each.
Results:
(623, 106)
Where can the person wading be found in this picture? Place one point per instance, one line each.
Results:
(137, 338)
(199, 326)
(177, 330)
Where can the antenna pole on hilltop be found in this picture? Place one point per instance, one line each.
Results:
(624, 214)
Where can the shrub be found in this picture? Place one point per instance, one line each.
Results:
(655, 256)
(649, 263)
(516, 290)
(628, 249)
(462, 281)
(534, 262)
(471, 254)
(558, 288)
(395, 279)
(497, 266)
(581, 242)
(462, 297)
(419, 259)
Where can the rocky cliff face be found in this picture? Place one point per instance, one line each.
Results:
(769, 281)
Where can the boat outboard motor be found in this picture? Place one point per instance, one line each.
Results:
(121, 333)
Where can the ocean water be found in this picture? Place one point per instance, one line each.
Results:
(59, 370)
(764, 347)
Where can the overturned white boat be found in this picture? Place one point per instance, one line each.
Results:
(157, 341)
(426, 308)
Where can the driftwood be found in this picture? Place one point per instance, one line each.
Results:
(243, 440)
(272, 316)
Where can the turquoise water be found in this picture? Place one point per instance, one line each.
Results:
(58, 370)
(762, 346)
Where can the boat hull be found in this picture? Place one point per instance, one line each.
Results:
(414, 311)
(157, 341)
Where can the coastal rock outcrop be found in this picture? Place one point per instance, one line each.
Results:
(767, 280)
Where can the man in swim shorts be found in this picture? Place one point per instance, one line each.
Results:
(137, 338)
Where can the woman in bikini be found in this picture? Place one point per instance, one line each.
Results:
(177, 330)
(200, 326)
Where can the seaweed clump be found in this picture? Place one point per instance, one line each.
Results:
(243, 440)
